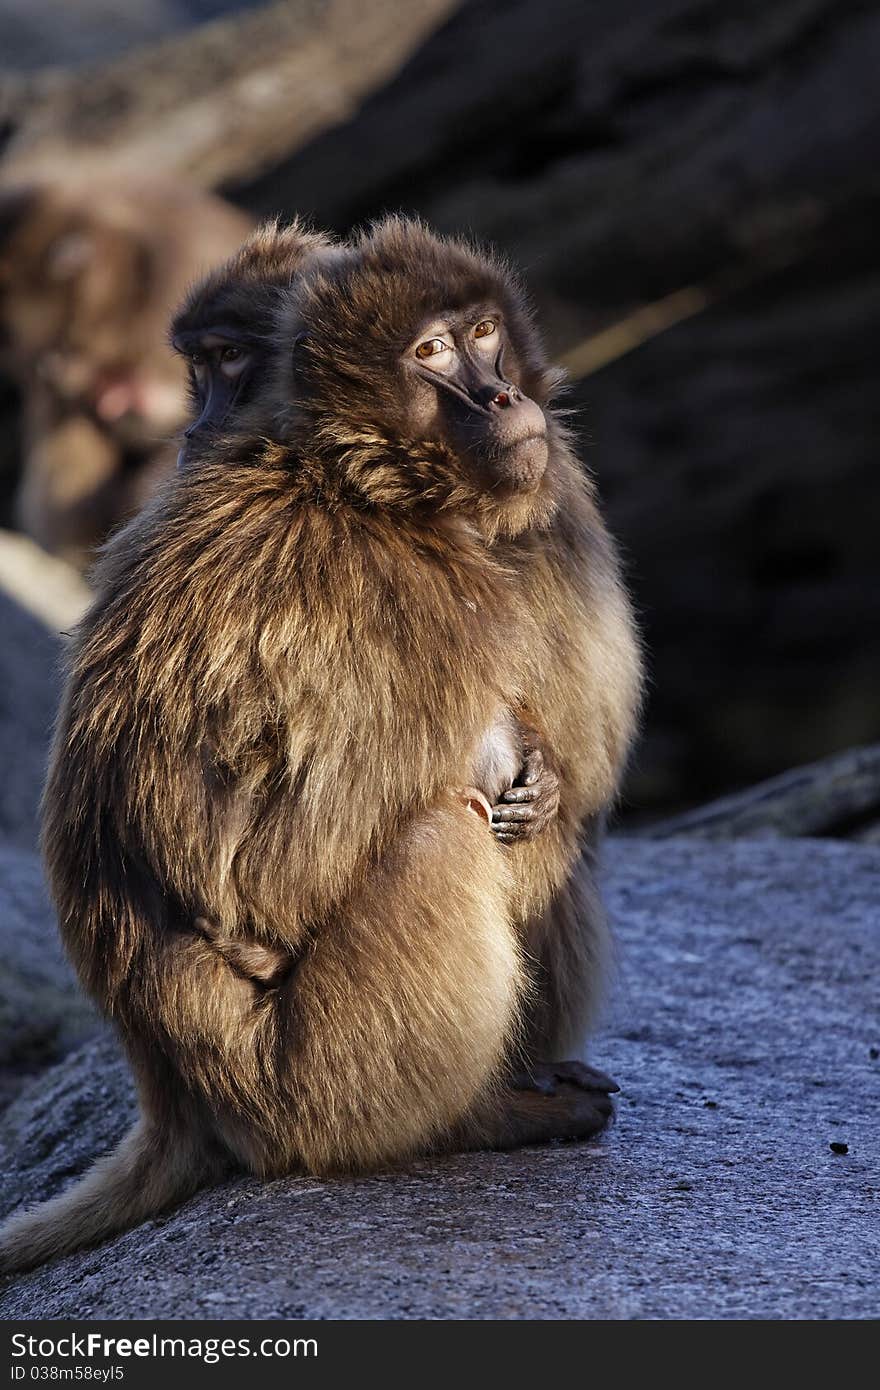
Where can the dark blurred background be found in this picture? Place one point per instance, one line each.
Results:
(692, 187)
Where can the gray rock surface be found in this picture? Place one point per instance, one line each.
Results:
(746, 1037)
(29, 668)
(42, 1011)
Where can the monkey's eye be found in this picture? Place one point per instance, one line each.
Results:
(432, 347)
(485, 328)
(233, 360)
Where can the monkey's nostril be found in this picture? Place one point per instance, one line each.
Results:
(501, 399)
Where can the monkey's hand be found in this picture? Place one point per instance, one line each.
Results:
(545, 1076)
(530, 804)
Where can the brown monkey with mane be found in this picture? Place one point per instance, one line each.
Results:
(298, 652)
(224, 330)
(225, 333)
(557, 562)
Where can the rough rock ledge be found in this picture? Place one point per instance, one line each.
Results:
(746, 1037)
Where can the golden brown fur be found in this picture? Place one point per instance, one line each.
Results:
(89, 275)
(294, 653)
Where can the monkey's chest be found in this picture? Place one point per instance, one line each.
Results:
(498, 755)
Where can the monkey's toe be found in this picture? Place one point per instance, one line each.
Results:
(591, 1078)
(546, 1076)
(567, 1112)
(583, 1112)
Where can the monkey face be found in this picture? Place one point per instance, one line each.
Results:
(422, 351)
(224, 362)
(459, 384)
(224, 329)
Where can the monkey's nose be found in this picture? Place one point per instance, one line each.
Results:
(509, 396)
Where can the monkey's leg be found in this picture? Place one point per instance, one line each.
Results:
(397, 1026)
(399, 1012)
(568, 947)
(545, 1098)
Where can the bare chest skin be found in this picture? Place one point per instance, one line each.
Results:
(498, 755)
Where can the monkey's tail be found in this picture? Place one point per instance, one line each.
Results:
(145, 1174)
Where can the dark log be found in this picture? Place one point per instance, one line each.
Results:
(838, 797)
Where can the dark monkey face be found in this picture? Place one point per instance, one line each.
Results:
(222, 360)
(458, 379)
(422, 350)
(225, 329)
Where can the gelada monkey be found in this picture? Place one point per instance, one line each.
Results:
(585, 684)
(89, 274)
(224, 331)
(300, 651)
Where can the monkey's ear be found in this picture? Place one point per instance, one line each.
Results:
(296, 349)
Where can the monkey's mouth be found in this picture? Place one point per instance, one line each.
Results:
(521, 464)
(518, 452)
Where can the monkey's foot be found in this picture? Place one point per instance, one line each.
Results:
(569, 1111)
(546, 1076)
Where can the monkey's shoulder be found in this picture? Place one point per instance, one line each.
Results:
(213, 578)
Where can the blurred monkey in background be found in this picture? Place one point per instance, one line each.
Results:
(89, 275)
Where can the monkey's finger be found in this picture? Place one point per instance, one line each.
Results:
(511, 813)
(533, 767)
(521, 794)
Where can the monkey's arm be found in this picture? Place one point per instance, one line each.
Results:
(585, 685)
